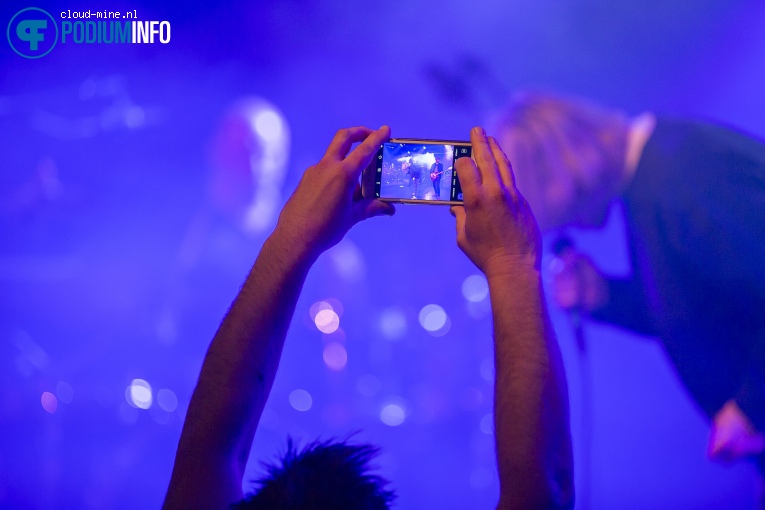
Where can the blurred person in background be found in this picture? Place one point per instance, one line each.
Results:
(694, 201)
(247, 159)
(248, 155)
(498, 233)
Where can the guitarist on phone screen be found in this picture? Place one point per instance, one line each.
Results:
(436, 169)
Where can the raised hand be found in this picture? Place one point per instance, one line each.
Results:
(495, 228)
(327, 202)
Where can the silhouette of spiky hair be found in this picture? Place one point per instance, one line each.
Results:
(331, 475)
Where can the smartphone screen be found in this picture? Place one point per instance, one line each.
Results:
(419, 170)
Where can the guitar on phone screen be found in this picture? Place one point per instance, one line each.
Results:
(434, 175)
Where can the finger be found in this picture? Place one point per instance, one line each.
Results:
(470, 179)
(504, 166)
(343, 140)
(360, 157)
(484, 158)
(369, 208)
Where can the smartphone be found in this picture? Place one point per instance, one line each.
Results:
(413, 171)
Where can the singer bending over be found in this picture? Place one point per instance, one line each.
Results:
(694, 201)
(495, 229)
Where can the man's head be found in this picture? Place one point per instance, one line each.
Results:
(568, 156)
(323, 475)
(438, 160)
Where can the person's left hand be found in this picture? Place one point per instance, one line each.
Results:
(733, 436)
(327, 202)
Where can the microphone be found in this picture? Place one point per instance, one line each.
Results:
(561, 245)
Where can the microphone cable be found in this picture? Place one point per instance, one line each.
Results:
(559, 247)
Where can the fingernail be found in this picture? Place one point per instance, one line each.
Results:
(479, 131)
(383, 127)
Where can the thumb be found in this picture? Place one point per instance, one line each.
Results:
(458, 212)
(368, 207)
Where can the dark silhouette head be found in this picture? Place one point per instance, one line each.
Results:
(323, 475)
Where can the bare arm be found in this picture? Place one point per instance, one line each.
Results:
(241, 363)
(531, 400)
(498, 232)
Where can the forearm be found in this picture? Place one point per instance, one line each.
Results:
(236, 378)
(531, 400)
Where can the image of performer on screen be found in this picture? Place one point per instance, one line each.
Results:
(436, 170)
(415, 173)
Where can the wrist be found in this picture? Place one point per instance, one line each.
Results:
(511, 266)
(290, 252)
(521, 281)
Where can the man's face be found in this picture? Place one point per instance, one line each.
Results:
(561, 187)
(559, 201)
(551, 197)
(438, 160)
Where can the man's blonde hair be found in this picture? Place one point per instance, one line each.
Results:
(555, 141)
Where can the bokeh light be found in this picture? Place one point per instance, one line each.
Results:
(487, 424)
(393, 323)
(327, 321)
(49, 402)
(475, 288)
(64, 392)
(167, 400)
(300, 400)
(479, 310)
(336, 305)
(432, 317)
(434, 320)
(393, 415)
(335, 356)
(138, 394)
(318, 307)
(348, 261)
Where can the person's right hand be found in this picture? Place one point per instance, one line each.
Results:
(733, 436)
(495, 228)
(328, 202)
(577, 284)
